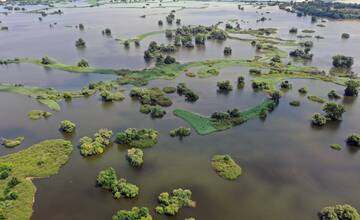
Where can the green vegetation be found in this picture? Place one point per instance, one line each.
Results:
(190, 95)
(318, 119)
(339, 212)
(10, 143)
(134, 214)
(224, 86)
(140, 138)
(171, 204)
(352, 87)
(107, 179)
(353, 140)
(135, 156)
(157, 112)
(336, 146)
(180, 132)
(341, 61)
(285, 84)
(169, 89)
(303, 90)
(67, 126)
(226, 167)
(108, 96)
(37, 114)
(83, 63)
(140, 37)
(240, 82)
(333, 95)
(97, 145)
(38, 161)
(315, 98)
(80, 43)
(333, 111)
(227, 51)
(150, 96)
(295, 103)
(223, 120)
(345, 36)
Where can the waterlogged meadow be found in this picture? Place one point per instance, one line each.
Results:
(178, 110)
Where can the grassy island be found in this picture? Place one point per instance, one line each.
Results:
(38, 161)
(134, 214)
(204, 125)
(226, 167)
(10, 143)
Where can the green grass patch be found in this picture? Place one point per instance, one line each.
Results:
(226, 167)
(141, 36)
(38, 161)
(201, 124)
(317, 99)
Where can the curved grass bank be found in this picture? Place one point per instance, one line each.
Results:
(205, 125)
(38, 161)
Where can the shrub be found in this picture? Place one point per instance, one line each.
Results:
(227, 51)
(160, 23)
(333, 95)
(169, 89)
(157, 112)
(140, 138)
(240, 82)
(295, 103)
(190, 96)
(342, 61)
(134, 214)
(108, 96)
(352, 88)
(333, 111)
(345, 36)
(150, 96)
(339, 212)
(200, 39)
(315, 98)
(145, 109)
(336, 146)
(318, 119)
(46, 60)
(226, 167)
(180, 132)
(126, 44)
(286, 85)
(67, 126)
(90, 146)
(169, 60)
(10, 143)
(224, 86)
(171, 204)
(83, 63)
(354, 140)
(293, 30)
(303, 90)
(80, 43)
(135, 156)
(107, 31)
(168, 33)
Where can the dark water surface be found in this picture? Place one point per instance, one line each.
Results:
(289, 170)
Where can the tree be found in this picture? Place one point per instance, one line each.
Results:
(46, 60)
(293, 30)
(67, 126)
(227, 51)
(83, 63)
(318, 119)
(352, 88)
(354, 140)
(169, 60)
(168, 34)
(342, 61)
(200, 39)
(224, 86)
(333, 111)
(80, 43)
(339, 212)
(275, 96)
(345, 36)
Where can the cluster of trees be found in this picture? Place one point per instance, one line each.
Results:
(339, 212)
(227, 51)
(180, 132)
(286, 84)
(134, 214)
(83, 63)
(170, 204)
(97, 145)
(150, 96)
(240, 82)
(353, 140)
(352, 88)
(154, 51)
(141, 138)
(333, 112)
(108, 96)
(135, 156)
(303, 54)
(8, 192)
(190, 95)
(107, 179)
(342, 61)
(226, 167)
(335, 10)
(67, 126)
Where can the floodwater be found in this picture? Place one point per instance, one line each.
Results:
(289, 170)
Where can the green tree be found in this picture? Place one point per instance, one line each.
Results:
(333, 111)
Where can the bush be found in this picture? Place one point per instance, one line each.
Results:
(333, 111)
(90, 146)
(333, 95)
(303, 90)
(169, 60)
(108, 96)
(46, 60)
(160, 23)
(200, 39)
(295, 103)
(286, 85)
(134, 214)
(83, 63)
(67, 126)
(80, 43)
(224, 86)
(10, 143)
(240, 82)
(169, 89)
(190, 96)
(226, 167)
(227, 51)
(140, 138)
(345, 36)
(157, 112)
(150, 96)
(171, 204)
(342, 61)
(339, 212)
(135, 156)
(107, 178)
(293, 30)
(352, 88)
(180, 132)
(318, 119)
(354, 140)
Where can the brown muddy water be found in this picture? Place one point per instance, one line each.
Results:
(289, 170)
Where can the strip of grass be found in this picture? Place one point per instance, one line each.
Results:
(141, 36)
(201, 124)
(38, 161)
